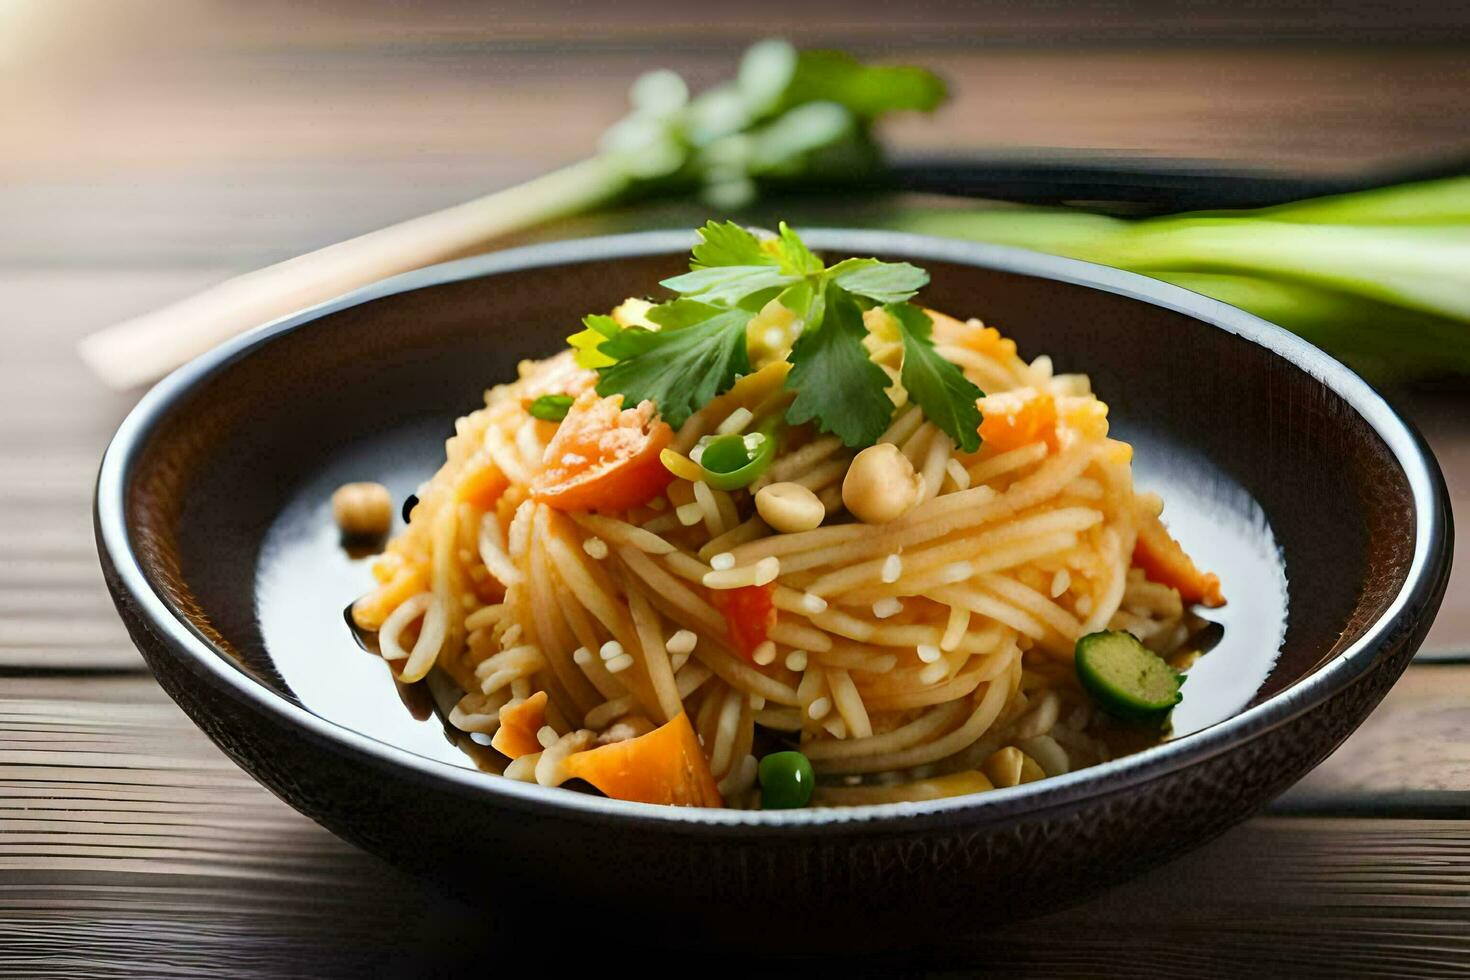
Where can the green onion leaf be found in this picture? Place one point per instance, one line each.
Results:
(551, 408)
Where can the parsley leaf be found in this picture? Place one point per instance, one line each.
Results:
(728, 244)
(793, 255)
(600, 328)
(936, 383)
(729, 283)
(681, 367)
(882, 282)
(835, 381)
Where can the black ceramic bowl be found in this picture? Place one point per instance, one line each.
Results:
(1321, 508)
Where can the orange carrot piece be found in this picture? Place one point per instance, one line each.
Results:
(482, 488)
(1163, 560)
(1035, 420)
(519, 723)
(666, 766)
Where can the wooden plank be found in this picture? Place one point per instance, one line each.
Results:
(128, 843)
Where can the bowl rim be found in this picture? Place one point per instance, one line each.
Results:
(1428, 568)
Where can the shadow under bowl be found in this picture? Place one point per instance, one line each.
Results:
(215, 538)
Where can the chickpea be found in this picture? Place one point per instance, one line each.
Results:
(789, 507)
(880, 485)
(362, 510)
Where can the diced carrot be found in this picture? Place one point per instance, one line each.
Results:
(666, 766)
(1033, 420)
(750, 614)
(519, 723)
(983, 340)
(1163, 560)
(481, 488)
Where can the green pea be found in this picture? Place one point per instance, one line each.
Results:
(551, 408)
(787, 781)
(729, 463)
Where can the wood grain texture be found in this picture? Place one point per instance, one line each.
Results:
(149, 148)
(129, 841)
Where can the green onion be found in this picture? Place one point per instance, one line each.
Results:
(551, 408)
(1379, 278)
(733, 461)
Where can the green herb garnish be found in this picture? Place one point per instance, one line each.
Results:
(836, 382)
(941, 389)
(700, 347)
(698, 353)
(551, 408)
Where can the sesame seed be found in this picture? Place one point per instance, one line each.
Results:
(581, 656)
(956, 572)
(684, 641)
(796, 660)
(813, 604)
(892, 569)
(610, 649)
(722, 562)
(886, 607)
(754, 441)
(547, 736)
(595, 547)
(934, 673)
(690, 514)
(767, 569)
(928, 653)
(852, 780)
(764, 654)
(1060, 582)
(619, 664)
(774, 338)
(736, 421)
(818, 709)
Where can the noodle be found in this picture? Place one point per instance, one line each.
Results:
(900, 658)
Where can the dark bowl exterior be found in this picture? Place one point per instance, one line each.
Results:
(911, 871)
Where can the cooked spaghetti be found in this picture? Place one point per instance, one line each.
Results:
(618, 615)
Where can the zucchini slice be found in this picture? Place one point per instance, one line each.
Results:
(1125, 678)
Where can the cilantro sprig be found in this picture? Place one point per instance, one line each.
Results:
(700, 348)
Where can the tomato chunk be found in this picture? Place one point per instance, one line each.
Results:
(519, 723)
(603, 457)
(665, 766)
(750, 614)
(1164, 561)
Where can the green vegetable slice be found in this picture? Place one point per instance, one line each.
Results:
(729, 462)
(787, 781)
(1125, 678)
(551, 408)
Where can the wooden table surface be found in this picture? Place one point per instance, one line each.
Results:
(148, 149)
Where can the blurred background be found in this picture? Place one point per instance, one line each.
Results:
(152, 148)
